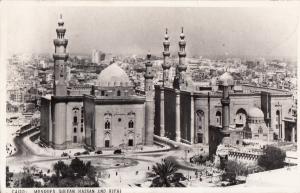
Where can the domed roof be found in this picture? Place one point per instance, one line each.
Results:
(226, 79)
(113, 75)
(255, 112)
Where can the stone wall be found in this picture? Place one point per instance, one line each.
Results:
(185, 116)
(46, 122)
(170, 113)
(119, 131)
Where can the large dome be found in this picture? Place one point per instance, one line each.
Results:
(255, 112)
(113, 75)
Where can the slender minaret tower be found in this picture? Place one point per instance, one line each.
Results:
(166, 65)
(181, 66)
(226, 82)
(149, 106)
(179, 81)
(60, 57)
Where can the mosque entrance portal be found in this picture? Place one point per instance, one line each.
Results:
(290, 131)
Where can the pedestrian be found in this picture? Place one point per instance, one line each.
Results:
(148, 168)
(116, 173)
(136, 173)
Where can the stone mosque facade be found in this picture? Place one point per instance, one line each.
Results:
(110, 114)
(107, 115)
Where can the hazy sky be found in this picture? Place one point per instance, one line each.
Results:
(209, 31)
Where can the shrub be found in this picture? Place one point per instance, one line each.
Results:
(9, 176)
(236, 167)
(272, 158)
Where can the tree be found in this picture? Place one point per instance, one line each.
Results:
(79, 167)
(59, 168)
(9, 176)
(272, 158)
(27, 182)
(164, 173)
(77, 173)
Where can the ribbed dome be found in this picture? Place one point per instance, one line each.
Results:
(113, 75)
(255, 112)
(226, 79)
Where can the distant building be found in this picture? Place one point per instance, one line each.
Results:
(97, 56)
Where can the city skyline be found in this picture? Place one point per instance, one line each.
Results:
(273, 32)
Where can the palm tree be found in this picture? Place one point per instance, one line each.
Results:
(59, 167)
(164, 172)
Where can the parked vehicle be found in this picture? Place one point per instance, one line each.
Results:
(117, 151)
(85, 153)
(64, 154)
(77, 154)
(98, 152)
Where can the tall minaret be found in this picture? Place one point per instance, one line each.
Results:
(60, 57)
(149, 107)
(166, 65)
(226, 83)
(181, 68)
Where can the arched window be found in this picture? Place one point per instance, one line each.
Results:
(118, 93)
(241, 118)
(130, 124)
(260, 130)
(75, 130)
(75, 115)
(219, 117)
(107, 124)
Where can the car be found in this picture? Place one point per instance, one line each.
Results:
(64, 154)
(85, 153)
(98, 152)
(117, 151)
(77, 154)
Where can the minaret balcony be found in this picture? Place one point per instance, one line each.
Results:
(166, 66)
(181, 54)
(166, 53)
(148, 64)
(60, 56)
(182, 68)
(225, 101)
(166, 43)
(61, 30)
(149, 75)
(182, 43)
(60, 42)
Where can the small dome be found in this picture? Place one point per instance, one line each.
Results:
(255, 112)
(226, 79)
(112, 76)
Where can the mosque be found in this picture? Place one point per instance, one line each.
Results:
(111, 115)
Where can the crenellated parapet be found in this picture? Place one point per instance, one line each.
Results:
(244, 156)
